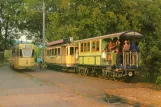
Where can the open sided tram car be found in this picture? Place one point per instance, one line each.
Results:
(90, 59)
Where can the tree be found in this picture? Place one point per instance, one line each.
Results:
(8, 24)
(151, 49)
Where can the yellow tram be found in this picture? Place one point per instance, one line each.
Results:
(96, 57)
(105, 56)
(60, 55)
(22, 56)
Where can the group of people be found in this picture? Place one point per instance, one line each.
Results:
(119, 47)
(127, 46)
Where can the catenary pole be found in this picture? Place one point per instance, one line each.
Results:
(44, 38)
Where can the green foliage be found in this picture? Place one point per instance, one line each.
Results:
(6, 56)
(9, 21)
(44, 66)
(38, 51)
(158, 81)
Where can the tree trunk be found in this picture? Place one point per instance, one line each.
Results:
(6, 32)
(1, 6)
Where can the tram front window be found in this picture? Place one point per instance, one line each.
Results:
(27, 52)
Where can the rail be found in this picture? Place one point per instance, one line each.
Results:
(125, 59)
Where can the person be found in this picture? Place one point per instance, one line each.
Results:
(104, 54)
(117, 44)
(118, 57)
(133, 49)
(39, 61)
(126, 49)
(111, 46)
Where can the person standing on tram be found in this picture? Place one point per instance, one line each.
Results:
(133, 49)
(126, 49)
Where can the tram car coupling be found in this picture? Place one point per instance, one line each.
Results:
(22, 56)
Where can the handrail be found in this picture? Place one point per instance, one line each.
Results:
(131, 59)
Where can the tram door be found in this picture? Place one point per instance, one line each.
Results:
(72, 55)
(63, 54)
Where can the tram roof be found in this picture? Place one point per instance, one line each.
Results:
(125, 35)
(22, 44)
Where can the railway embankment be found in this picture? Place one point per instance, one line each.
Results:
(140, 97)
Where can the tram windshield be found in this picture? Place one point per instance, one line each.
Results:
(27, 52)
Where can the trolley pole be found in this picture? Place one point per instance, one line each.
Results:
(44, 38)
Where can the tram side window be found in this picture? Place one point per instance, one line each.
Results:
(85, 47)
(53, 51)
(56, 51)
(71, 50)
(97, 46)
(93, 46)
(88, 46)
(50, 52)
(81, 47)
(20, 52)
(33, 52)
(59, 51)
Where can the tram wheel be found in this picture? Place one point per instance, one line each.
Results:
(108, 75)
(79, 71)
(113, 76)
(86, 72)
(76, 70)
(82, 71)
(130, 73)
(103, 74)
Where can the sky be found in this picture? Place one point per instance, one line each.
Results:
(23, 38)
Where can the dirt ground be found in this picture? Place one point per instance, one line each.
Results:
(144, 94)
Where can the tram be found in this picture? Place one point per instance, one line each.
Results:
(111, 56)
(60, 54)
(22, 56)
(106, 55)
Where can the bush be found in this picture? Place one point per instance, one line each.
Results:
(158, 81)
(6, 55)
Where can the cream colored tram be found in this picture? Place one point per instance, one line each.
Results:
(60, 55)
(22, 56)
